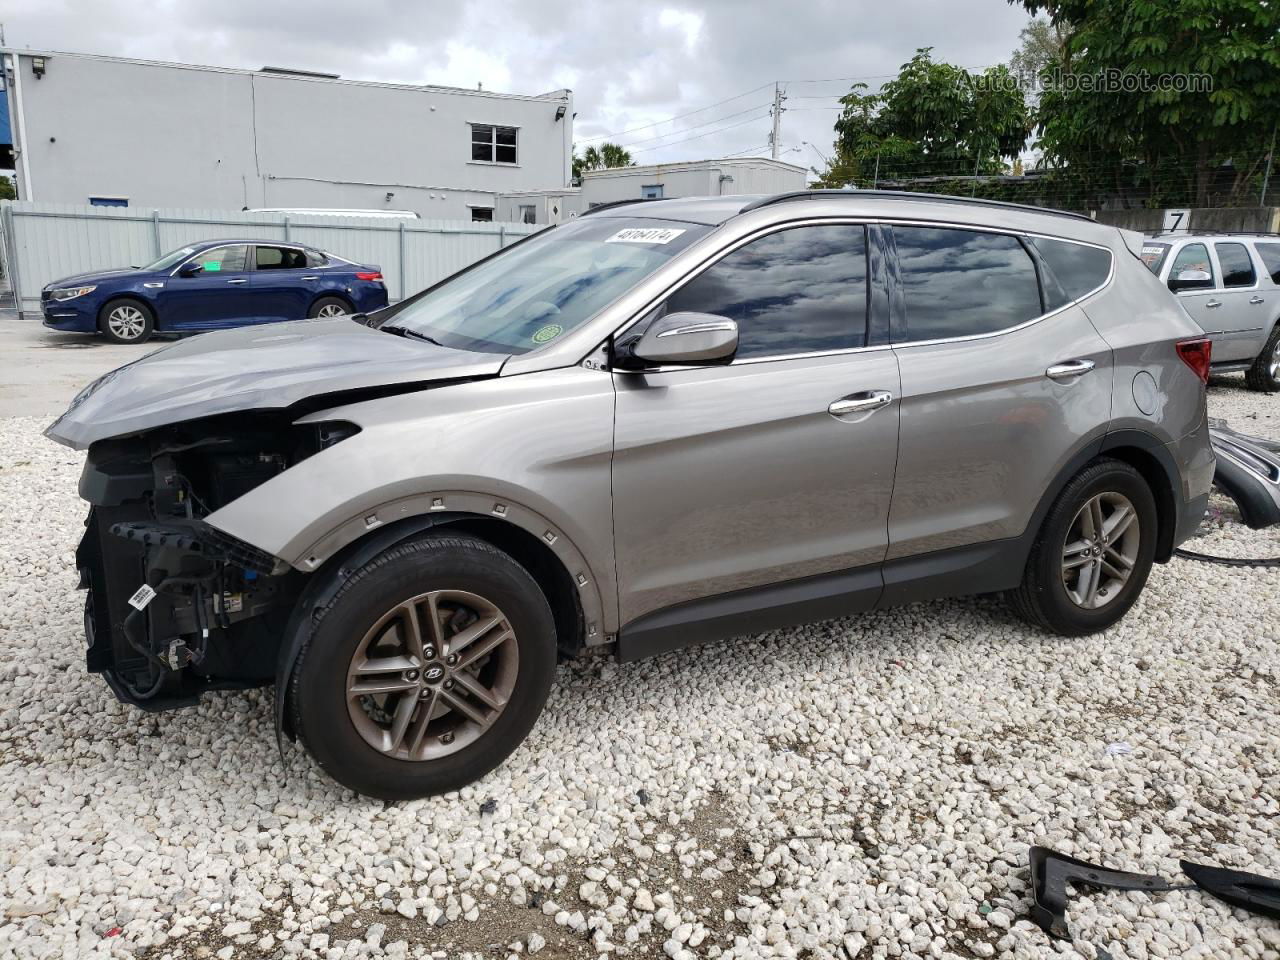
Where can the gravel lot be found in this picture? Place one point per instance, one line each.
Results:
(855, 789)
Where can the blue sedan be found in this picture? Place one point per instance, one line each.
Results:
(212, 285)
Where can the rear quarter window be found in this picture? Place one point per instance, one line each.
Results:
(1076, 269)
(1270, 255)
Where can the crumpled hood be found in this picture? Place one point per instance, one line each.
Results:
(256, 368)
(94, 276)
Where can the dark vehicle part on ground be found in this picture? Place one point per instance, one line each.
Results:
(1052, 871)
(1248, 891)
(1247, 471)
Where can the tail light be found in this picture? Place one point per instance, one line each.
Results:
(1195, 354)
(375, 275)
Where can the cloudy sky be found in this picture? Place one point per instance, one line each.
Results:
(678, 81)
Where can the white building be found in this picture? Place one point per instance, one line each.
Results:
(700, 178)
(696, 178)
(105, 130)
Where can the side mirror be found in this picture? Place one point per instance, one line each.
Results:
(1191, 280)
(687, 338)
(190, 269)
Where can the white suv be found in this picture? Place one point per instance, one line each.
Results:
(1230, 284)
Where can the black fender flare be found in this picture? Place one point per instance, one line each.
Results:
(1099, 446)
(321, 587)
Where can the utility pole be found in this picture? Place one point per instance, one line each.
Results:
(1266, 177)
(774, 140)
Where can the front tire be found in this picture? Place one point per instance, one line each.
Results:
(1264, 375)
(329, 307)
(426, 670)
(126, 321)
(1093, 554)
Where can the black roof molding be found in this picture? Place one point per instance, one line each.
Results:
(905, 195)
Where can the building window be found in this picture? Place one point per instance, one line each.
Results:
(528, 213)
(482, 214)
(652, 191)
(108, 201)
(490, 144)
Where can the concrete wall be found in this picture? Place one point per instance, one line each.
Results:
(704, 178)
(1202, 219)
(173, 135)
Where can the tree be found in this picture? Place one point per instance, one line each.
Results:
(607, 155)
(1170, 98)
(6, 188)
(933, 119)
(1042, 50)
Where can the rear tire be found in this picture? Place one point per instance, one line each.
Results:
(1264, 375)
(1077, 582)
(126, 321)
(437, 720)
(328, 307)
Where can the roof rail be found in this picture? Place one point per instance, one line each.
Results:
(905, 195)
(614, 203)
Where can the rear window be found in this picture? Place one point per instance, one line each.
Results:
(1237, 265)
(1270, 254)
(959, 283)
(1153, 255)
(1076, 269)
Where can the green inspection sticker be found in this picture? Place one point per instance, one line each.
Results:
(548, 333)
(213, 265)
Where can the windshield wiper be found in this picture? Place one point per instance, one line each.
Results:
(406, 332)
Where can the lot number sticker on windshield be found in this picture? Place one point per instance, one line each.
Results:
(645, 235)
(548, 333)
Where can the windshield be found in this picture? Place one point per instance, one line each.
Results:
(171, 259)
(546, 286)
(1153, 255)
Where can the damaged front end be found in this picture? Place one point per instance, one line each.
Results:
(176, 607)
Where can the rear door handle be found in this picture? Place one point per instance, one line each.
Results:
(308, 278)
(1256, 300)
(867, 401)
(1213, 304)
(1069, 369)
(238, 281)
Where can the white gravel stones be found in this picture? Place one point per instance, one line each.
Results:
(865, 788)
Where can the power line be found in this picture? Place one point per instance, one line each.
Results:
(656, 123)
(696, 126)
(701, 135)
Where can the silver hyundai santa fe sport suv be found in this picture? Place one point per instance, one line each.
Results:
(660, 424)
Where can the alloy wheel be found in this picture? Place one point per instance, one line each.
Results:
(331, 310)
(432, 675)
(1101, 550)
(1274, 366)
(126, 322)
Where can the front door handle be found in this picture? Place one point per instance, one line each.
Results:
(308, 278)
(1069, 369)
(238, 281)
(1213, 304)
(1256, 300)
(865, 402)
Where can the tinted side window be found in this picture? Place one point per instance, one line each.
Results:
(1194, 256)
(960, 282)
(280, 258)
(1270, 254)
(1237, 265)
(1078, 269)
(797, 291)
